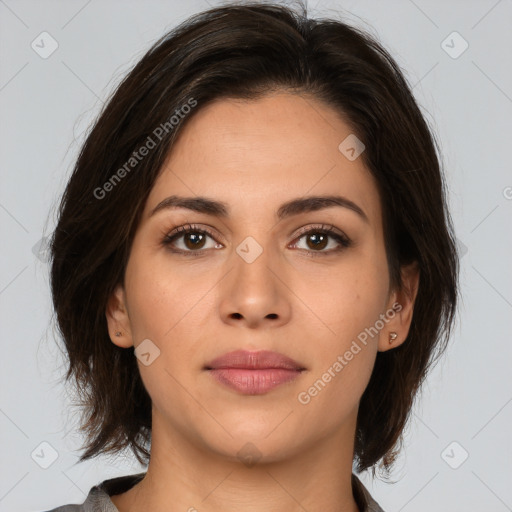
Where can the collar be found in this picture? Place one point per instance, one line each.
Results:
(100, 494)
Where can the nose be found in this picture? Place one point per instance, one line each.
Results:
(255, 294)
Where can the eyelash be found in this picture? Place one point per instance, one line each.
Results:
(324, 229)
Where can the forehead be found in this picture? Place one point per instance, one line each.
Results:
(260, 153)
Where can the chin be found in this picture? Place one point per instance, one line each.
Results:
(255, 442)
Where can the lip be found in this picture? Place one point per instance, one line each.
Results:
(254, 372)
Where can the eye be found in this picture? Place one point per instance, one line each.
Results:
(318, 238)
(190, 239)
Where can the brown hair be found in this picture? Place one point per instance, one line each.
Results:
(246, 51)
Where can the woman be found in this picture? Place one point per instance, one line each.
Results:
(254, 267)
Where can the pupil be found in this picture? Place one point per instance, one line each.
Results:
(193, 238)
(318, 240)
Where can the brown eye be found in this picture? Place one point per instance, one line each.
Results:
(318, 239)
(188, 239)
(194, 240)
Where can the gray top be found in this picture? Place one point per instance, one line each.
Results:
(98, 499)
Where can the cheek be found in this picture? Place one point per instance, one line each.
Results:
(161, 299)
(347, 318)
(162, 308)
(345, 352)
(348, 301)
(169, 309)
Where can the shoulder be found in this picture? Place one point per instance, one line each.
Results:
(98, 499)
(67, 508)
(363, 498)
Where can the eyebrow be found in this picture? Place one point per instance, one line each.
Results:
(294, 207)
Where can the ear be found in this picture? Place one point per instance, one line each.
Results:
(402, 303)
(118, 320)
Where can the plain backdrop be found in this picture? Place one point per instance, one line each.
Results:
(456, 54)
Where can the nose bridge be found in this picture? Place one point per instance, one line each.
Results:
(252, 263)
(255, 293)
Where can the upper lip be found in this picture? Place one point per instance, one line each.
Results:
(254, 360)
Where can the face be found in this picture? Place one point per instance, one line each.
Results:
(251, 275)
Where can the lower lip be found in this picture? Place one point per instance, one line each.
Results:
(254, 382)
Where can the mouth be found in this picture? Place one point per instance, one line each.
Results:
(254, 373)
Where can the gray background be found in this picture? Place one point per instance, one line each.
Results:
(47, 104)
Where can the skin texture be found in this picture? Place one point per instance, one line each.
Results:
(254, 156)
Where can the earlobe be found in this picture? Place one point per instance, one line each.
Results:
(400, 309)
(118, 320)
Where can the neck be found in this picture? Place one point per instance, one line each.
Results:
(184, 476)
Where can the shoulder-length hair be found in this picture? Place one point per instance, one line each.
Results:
(244, 52)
